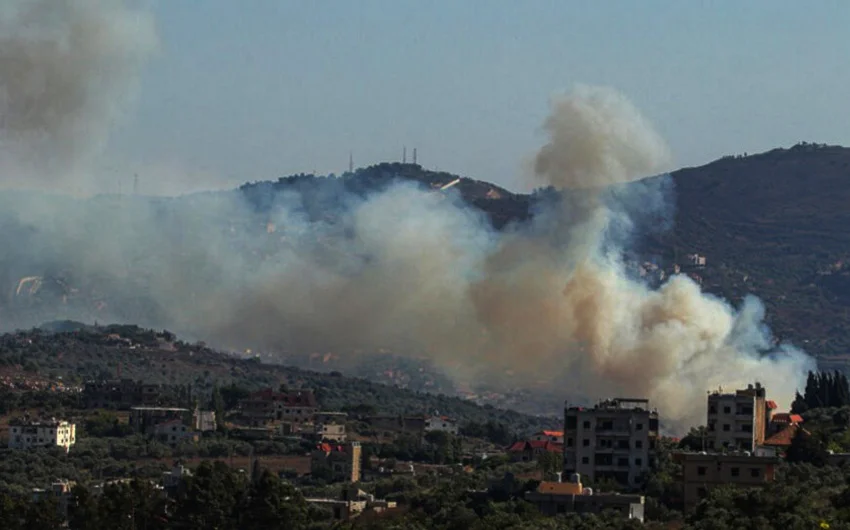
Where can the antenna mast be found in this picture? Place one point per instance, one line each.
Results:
(404, 155)
(350, 162)
(414, 155)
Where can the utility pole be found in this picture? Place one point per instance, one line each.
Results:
(404, 155)
(350, 162)
(414, 156)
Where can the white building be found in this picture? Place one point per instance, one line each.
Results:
(25, 433)
(440, 423)
(615, 439)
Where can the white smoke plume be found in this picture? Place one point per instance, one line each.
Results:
(67, 70)
(401, 268)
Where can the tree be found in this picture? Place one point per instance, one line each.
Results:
(272, 504)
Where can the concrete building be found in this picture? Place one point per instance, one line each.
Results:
(172, 432)
(339, 463)
(60, 491)
(268, 407)
(532, 450)
(120, 394)
(353, 502)
(554, 498)
(703, 471)
(330, 426)
(203, 420)
(738, 420)
(144, 419)
(26, 433)
(615, 439)
(414, 425)
(440, 423)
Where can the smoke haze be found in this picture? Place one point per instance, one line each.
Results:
(67, 70)
(396, 267)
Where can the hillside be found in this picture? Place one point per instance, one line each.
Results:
(67, 355)
(774, 224)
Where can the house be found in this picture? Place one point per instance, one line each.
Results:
(780, 420)
(548, 436)
(554, 498)
(172, 432)
(203, 420)
(267, 406)
(738, 420)
(352, 503)
(25, 433)
(330, 426)
(703, 471)
(440, 423)
(121, 394)
(143, 419)
(615, 439)
(337, 462)
(530, 450)
(60, 490)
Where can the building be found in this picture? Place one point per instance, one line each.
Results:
(337, 462)
(352, 503)
(781, 420)
(554, 498)
(548, 436)
(703, 471)
(26, 433)
(738, 420)
(172, 432)
(268, 407)
(531, 450)
(615, 439)
(330, 426)
(144, 419)
(440, 423)
(60, 490)
(203, 420)
(120, 394)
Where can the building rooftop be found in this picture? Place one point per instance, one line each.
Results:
(36, 422)
(160, 409)
(639, 404)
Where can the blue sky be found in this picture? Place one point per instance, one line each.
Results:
(263, 88)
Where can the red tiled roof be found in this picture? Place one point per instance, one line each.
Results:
(786, 417)
(771, 404)
(553, 433)
(783, 438)
(516, 447)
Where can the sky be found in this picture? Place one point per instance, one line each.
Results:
(244, 91)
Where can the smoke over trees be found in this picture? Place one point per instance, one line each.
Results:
(401, 268)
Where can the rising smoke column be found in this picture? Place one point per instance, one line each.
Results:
(555, 304)
(67, 70)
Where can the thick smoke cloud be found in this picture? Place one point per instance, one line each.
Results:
(546, 303)
(67, 70)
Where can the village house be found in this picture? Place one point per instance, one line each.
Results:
(352, 503)
(440, 423)
(703, 471)
(337, 462)
(531, 450)
(615, 439)
(268, 407)
(120, 394)
(330, 426)
(60, 491)
(554, 498)
(25, 433)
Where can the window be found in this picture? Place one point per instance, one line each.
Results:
(586, 425)
(701, 471)
(736, 471)
(622, 462)
(755, 472)
(701, 492)
(638, 461)
(639, 444)
(571, 423)
(712, 409)
(585, 442)
(585, 460)
(569, 442)
(727, 410)
(747, 428)
(639, 427)
(726, 427)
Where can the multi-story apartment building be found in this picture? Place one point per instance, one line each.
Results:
(703, 471)
(615, 439)
(738, 420)
(269, 407)
(26, 433)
